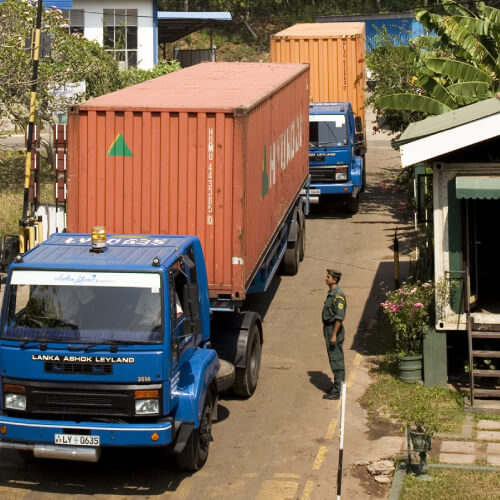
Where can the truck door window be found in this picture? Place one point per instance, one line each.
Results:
(327, 130)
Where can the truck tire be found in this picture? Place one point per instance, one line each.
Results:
(352, 204)
(195, 453)
(363, 175)
(291, 258)
(246, 379)
(302, 236)
(302, 243)
(225, 376)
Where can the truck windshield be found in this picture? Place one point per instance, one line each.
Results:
(327, 130)
(54, 306)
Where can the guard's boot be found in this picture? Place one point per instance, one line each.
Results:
(333, 394)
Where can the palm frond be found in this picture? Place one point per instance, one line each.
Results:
(412, 102)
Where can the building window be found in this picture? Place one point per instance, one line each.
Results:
(75, 20)
(120, 35)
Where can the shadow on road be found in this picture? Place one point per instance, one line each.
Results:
(370, 338)
(320, 380)
(128, 472)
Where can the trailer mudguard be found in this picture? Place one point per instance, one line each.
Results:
(196, 374)
(230, 336)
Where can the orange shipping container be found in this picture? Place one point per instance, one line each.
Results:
(217, 150)
(336, 54)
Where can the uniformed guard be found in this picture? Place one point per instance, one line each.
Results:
(333, 329)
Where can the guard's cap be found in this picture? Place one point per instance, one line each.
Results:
(334, 273)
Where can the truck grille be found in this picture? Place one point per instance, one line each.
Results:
(105, 403)
(322, 174)
(84, 368)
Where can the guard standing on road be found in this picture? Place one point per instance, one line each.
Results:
(333, 329)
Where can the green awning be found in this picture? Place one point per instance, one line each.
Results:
(479, 188)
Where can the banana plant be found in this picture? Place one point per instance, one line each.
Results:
(470, 71)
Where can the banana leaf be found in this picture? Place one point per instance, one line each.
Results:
(462, 37)
(455, 9)
(412, 102)
(489, 13)
(437, 91)
(457, 70)
(470, 92)
(478, 27)
(428, 20)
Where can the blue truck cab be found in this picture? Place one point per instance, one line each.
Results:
(336, 158)
(105, 342)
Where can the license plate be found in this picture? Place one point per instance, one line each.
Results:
(311, 191)
(76, 440)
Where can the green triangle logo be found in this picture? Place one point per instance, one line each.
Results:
(265, 178)
(119, 147)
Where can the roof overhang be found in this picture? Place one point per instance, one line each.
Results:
(173, 26)
(449, 140)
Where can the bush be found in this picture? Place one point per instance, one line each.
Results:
(410, 311)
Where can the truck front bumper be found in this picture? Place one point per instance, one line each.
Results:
(317, 190)
(39, 436)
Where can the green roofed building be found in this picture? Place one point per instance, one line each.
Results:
(462, 150)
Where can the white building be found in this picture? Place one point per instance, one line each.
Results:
(133, 29)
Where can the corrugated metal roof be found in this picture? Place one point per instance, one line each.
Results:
(205, 86)
(322, 30)
(175, 25)
(451, 119)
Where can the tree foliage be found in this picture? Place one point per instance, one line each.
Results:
(461, 66)
(72, 59)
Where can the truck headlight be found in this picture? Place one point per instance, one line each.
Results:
(341, 174)
(147, 407)
(14, 397)
(147, 402)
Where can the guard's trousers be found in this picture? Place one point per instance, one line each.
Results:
(335, 356)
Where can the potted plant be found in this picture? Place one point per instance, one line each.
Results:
(421, 420)
(410, 312)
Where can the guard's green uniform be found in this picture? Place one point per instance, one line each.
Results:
(335, 308)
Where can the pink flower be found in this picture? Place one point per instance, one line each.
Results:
(418, 304)
(395, 308)
(413, 290)
(426, 285)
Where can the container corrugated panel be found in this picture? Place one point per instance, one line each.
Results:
(336, 54)
(217, 150)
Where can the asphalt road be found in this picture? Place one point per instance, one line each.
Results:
(282, 443)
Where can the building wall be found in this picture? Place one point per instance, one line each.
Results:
(146, 39)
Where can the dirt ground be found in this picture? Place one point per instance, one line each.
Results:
(283, 442)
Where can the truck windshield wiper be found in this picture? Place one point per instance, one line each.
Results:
(42, 344)
(113, 344)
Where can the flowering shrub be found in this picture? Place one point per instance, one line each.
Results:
(409, 310)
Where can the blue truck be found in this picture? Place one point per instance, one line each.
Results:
(336, 153)
(106, 342)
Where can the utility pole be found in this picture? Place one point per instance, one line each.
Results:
(27, 222)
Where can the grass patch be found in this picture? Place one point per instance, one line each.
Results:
(12, 189)
(385, 397)
(448, 483)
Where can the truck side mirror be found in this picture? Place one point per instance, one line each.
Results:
(358, 124)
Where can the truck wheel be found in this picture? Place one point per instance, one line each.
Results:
(352, 204)
(302, 242)
(195, 453)
(225, 376)
(246, 378)
(363, 175)
(291, 257)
